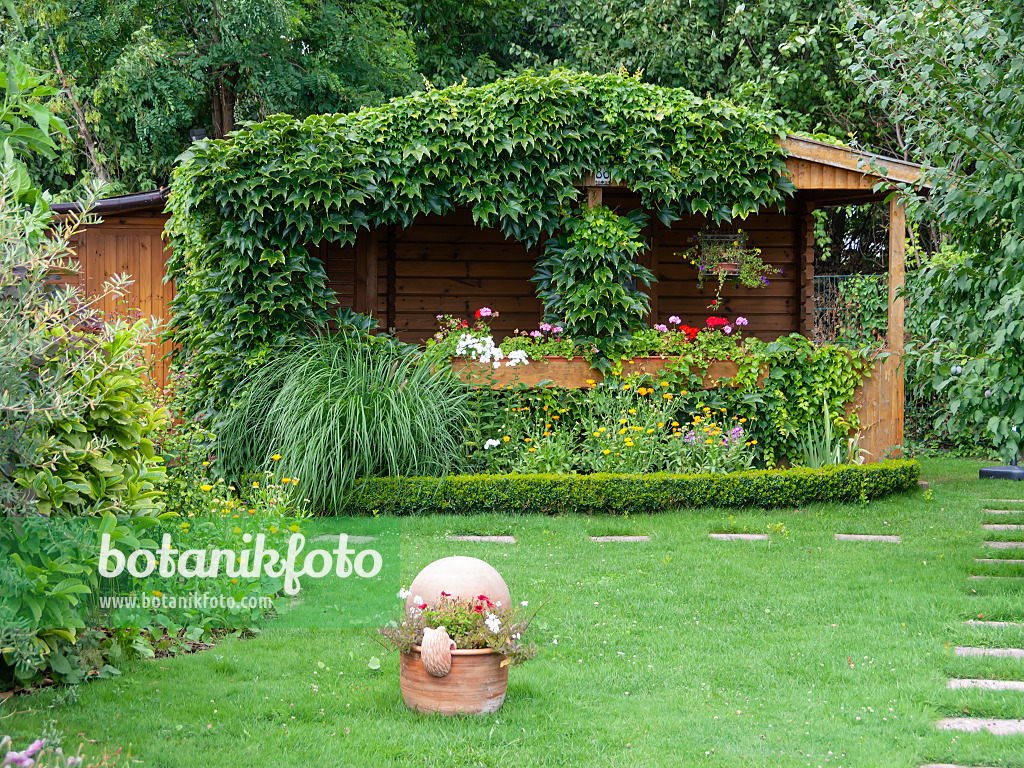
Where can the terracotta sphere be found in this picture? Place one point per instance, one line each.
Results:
(462, 578)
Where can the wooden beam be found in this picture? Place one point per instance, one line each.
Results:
(805, 265)
(365, 298)
(894, 338)
(818, 152)
(595, 196)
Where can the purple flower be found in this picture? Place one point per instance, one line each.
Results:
(727, 329)
(536, 334)
(765, 280)
(661, 327)
(675, 320)
(545, 327)
(988, 393)
(741, 321)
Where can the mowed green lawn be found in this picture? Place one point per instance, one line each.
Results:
(682, 651)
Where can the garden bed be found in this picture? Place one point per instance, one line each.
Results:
(577, 373)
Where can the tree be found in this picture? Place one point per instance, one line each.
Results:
(136, 75)
(953, 75)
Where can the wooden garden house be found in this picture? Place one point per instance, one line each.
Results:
(405, 277)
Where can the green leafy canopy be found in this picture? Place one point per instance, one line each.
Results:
(244, 209)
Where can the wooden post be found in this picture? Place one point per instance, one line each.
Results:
(894, 337)
(806, 277)
(391, 277)
(595, 196)
(366, 274)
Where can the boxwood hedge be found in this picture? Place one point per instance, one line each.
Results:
(553, 494)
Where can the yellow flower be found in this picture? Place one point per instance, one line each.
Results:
(206, 463)
(629, 443)
(545, 434)
(207, 488)
(273, 529)
(667, 395)
(293, 528)
(236, 517)
(603, 429)
(623, 421)
(696, 419)
(648, 432)
(664, 383)
(255, 484)
(527, 439)
(631, 362)
(753, 442)
(706, 409)
(237, 529)
(276, 457)
(505, 439)
(626, 386)
(597, 434)
(722, 410)
(709, 441)
(286, 480)
(234, 581)
(556, 416)
(632, 411)
(157, 593)
(185, 526)
(675, 423)
(623, 431)
(605, 451)
(591, 382)
(532, 450)
(742, 420)
(661, 424)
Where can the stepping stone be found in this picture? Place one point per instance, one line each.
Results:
(997, 561)
(997, 578)
(1004, 544)
(1002, 527)
(977, 623)
(351, 539)
(1003, 511)
(739, 536)
(867, 537)
(977, 724)
(498, 539)
(1015, 653)
(948, 765)
(987, 685)
(603, 539)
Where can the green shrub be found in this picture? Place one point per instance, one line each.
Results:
(556, 494)
(335, 408)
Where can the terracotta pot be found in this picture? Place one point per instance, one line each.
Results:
(476, 684)
(727, 267)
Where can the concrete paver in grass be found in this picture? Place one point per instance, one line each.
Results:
(1003, 511)
(351, 539)
(739, 536)
(978, 623)
(868, 537)
(978, 724)
(949, 765)
(1013, 653)
(986, 685)
(1004, 544)
(1003, 527)
(602, 539)
(998, 561)
(995, 578)
(496, 539)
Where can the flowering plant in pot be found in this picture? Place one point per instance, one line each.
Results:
(725, 256)
(456, 651)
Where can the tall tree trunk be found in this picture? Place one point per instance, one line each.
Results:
(222, 104)
(83, 128)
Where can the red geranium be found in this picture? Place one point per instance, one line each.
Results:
(477, 314)
(691, 333)
(714, 322)
(478, 608)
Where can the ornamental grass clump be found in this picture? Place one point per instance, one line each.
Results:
(472, 623)
(336, 408)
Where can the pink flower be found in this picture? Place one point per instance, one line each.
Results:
(536, 334)
(545, 327)
(675, 320)
(661, 327)
(741, 321)
(727, 329)
(484, 312)
(557, 329)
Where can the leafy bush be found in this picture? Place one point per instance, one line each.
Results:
(335, 408)
(589, 281)
(558, 494)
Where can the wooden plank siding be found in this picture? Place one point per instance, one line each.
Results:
(135, 246)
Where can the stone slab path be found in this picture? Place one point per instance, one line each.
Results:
(1003, 527)
(998, 560)
(1004, 544)
(868, 537)
(739, 536)
(351, 539)
(977, 724)
(978, 623)
(1013, 653)
(1003, 511)
(498, 539)
(986, 685)
(602, 539)
(995, 578)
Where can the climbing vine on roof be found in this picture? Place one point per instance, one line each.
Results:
(245, 208)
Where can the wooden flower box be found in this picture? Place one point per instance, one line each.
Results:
(576, 373)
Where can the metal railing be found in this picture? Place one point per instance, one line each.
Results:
(850, 310)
